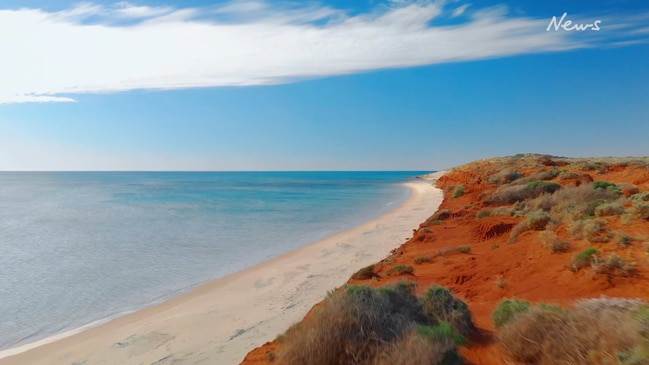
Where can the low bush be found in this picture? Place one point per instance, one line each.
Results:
(418, 347)
(508, 310)
(504, 177)
(534, 221)
(622, 239)
(639, 210)
(518, 193)
(358, 325)
(628, 190)
(574, 202)
(614, 265)
(551, 241)
(584, 258)
(440, 305)
(483, 213)
(537, 220)
(423, 259)
(605, 185)
(459, 191)
(641, 197)
(401, 270)
(365, 273)
(440, 215)
(607, 209)
(593, 230)
(594, 331)
(541, 176)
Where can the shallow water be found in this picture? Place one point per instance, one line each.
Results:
(85, 246)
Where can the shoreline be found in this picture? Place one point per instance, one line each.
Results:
(224, 319)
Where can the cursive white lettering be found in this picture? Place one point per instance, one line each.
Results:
(568, 25)
(556, 24)
(596, 24)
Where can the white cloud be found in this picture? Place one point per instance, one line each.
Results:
(88, 48)
(129, 10)
(460, 10)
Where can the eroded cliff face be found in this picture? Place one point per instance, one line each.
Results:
(540, 228)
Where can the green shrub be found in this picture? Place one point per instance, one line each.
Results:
(508, 310)
(443, 331)
(459, 191)
(584, 258)
(401, 269)
(605, 185)
(464, 249)
(440, 305)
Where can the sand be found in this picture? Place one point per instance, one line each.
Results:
(221, 321)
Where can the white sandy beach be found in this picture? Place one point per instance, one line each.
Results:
(221, 321)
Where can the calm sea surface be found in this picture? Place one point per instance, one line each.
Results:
(81, 247)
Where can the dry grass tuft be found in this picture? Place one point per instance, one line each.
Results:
(423, 259)
(536, 221)
(504, 177)
(365, 273)
(439, 216)
(518, 193)
(639, 210)
(402, 270)
(608, 209)
(584, 258)
(574, 203)
(593, 230)
(614, 265)
(595, 331)
(551, 241)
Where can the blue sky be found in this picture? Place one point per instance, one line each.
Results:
(363, 85)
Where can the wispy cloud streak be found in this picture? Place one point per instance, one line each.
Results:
(52, 56)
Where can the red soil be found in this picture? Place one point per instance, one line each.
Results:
(496, 269)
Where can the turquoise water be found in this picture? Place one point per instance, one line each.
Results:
(77, 247)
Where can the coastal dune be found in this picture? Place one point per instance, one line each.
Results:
(219, 322)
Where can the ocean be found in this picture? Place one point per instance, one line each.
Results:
(81, 247)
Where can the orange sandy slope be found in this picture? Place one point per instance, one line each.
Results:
(496, 269)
